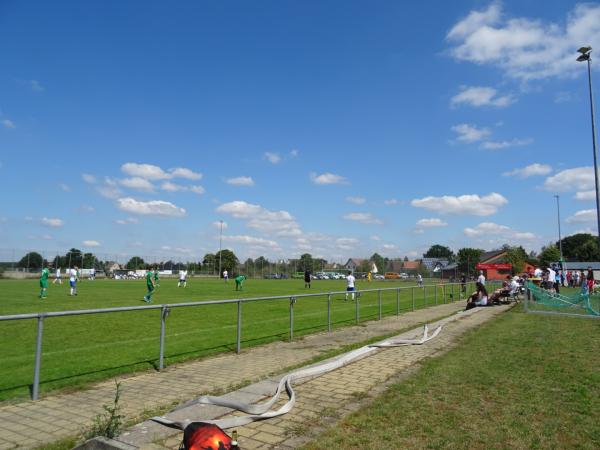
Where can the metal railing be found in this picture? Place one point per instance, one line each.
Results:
(447, 292)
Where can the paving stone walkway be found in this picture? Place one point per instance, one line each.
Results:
(60, 416)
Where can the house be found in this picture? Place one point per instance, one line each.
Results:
(583, 267)
(111, 266)
(434, 264)
(411, 266)
(353, 263)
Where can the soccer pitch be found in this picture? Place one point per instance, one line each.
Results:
(82, 349)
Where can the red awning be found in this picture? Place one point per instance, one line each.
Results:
(506, 266)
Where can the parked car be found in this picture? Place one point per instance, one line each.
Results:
(391, 276)
(404, 276)
(378, 276)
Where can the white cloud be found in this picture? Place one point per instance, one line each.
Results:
(128, 221)
(356, 200)
(240, 181)
(465, 204)
(497, 145)
(366, 218)
(218, 225)
(501, 232)
(137, 183)
(153, 207)
(91, 243)
(272, 157)
(280, 222)
(480, 96)
(8, 124)
(470, 133)
(431, 223)
(52, 222)
(294, 153)
(391, 201)
(529, 171)
(585, 195)
(327, 178)
(87, 208)
(108, 191)
(172, 187)
(91, 179)
(253, 241)
(197, 189)
(375, 238)
(65, 187)
(563, 97)
(152, 172)
(346, 243)
(525, 49)
(577, 179)
(389, 247)
(583, 216)
(182, 172)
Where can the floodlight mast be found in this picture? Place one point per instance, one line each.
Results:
(585, 56)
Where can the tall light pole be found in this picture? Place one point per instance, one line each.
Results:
(220, 245)
(585, 56)
(559, 237)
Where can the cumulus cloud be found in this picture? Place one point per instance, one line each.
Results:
(375, 238)
(52, 222)
(585, 195)
(577, 179)
(150, 208)
(8, 124)
(272, 157)
(366, 218)
(470, 133)
(327, 178)
(391, 201)
(431, 223)
(91, 243)
(480, 96)
(583, 216)
(525, 49)
(465, 204)
(128, 221)
(197, 189)
(294, 153)
(346, 243)
(356, 200)
(496, 231)
(91, 179)
(252, 241)
(218, 225)
(152, 172)
(282, 223)
(498, 145)
(240, 181)
(137, 183)
(529, 171)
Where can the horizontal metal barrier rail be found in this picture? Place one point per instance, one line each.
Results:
(448, 292)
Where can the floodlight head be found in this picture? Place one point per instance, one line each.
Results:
(585, 49)
(583, 57)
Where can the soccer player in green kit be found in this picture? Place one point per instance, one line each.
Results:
(238, 282)
(150, 286)
(156, 282)
(44, 282)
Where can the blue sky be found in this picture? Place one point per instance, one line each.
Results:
(333, 128)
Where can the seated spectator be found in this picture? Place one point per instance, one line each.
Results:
(478, 298)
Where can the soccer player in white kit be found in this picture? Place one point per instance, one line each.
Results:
(182, 278)
(57, 278)
(350, 286)
(73, 278)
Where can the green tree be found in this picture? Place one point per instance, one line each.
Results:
(306, 263)
(517, 256)
(439, 251)
(406, 258)
(549, 254)
(208, 263)
(32, 260)
(135, 263)
(228, 261)
(467, 258)
(578, 245)
(379, 262)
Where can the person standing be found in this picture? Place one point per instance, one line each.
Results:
(419, 280)
(239, 280)
(44, 282)
(225, 275)
(369, 276)
(156, 280)
(463, 284)
(590, 280)
(92, 274)
(150, 286)
(73, 279)
(481, 278)
(57, 277)
(182, 278)
(350, 286)
(307, 279)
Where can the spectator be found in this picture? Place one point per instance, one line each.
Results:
(479, 297)
(481, 278)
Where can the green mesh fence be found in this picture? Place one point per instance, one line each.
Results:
(578, 302)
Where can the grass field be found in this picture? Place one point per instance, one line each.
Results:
(81, 349)
(523, 381)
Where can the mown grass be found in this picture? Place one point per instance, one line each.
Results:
(522, 381)
(81, 349)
